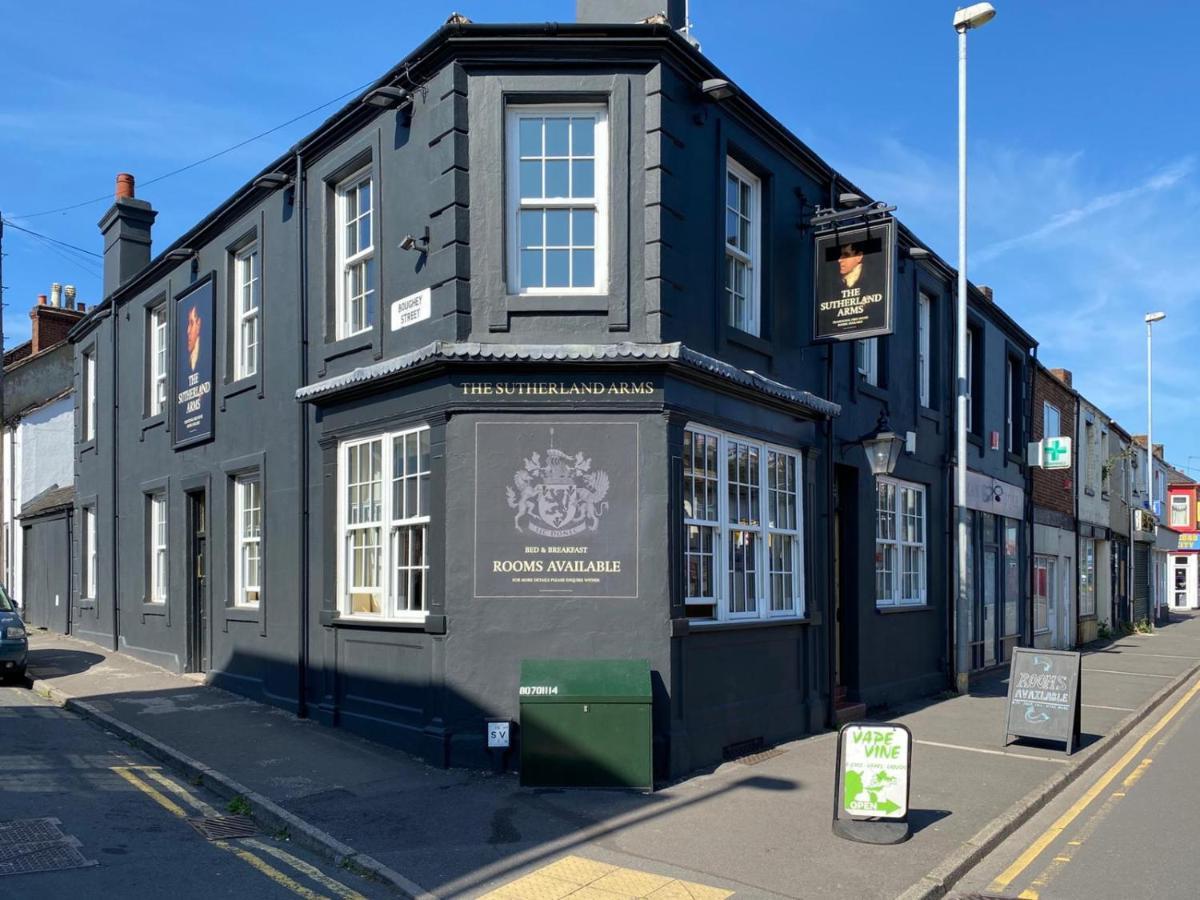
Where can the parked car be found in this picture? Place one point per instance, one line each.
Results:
(14, 642)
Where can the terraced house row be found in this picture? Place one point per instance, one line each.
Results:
(519, 356)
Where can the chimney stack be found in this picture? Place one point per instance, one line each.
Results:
(69, 295)
(987, 292)
(51, 321)
(126, 229)
(1063, 375)
(55, 294)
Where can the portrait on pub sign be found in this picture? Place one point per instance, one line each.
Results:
(854, 283)
(193, 342)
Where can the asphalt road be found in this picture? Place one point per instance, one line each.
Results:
(128, 815)
(1122, 831)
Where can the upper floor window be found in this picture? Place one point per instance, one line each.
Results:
(743, 226)
(1179, 511)
(1051, 421)
(973, 424)
(248, 294)
(899, 543)
(355, 255)
(866, 357)
(1106, 465)
(1091, 458)
(743, 518)
(924, 361)
(557, 189)
(1014, 404)
(156, 351)
(383, 517)
(89, 395)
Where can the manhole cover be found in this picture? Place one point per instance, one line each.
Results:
(220, 828)
(25, 831)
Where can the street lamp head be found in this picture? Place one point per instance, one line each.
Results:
(974, 16)
(1155, 317)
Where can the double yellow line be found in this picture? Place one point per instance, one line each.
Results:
(1038, 847)
(141, 776)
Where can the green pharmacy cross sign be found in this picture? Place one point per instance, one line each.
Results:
(1056, 453)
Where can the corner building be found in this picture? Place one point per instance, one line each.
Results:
(511, 358)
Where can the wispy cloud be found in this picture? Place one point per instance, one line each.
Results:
(1165, 178)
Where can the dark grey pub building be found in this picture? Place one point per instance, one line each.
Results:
(513, 358)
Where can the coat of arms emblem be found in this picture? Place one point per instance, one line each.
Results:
(559, 496)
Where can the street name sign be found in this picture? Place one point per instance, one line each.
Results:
(871, 784)
(1043, 696)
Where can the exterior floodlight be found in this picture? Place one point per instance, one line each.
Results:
(849, 198)
(1156, 317)
(974, 16)
(271, 180)
(387, 97)
(180, 254)
(717, 89)
(918, 253)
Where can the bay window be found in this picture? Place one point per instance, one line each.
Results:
(383, 523)
(743, 513)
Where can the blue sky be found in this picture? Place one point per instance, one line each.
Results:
(1085, 189)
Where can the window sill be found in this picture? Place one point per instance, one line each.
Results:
(750, 341)
(427, 623)
(87, 446)
(1089, 491)
(561, 303)
(746, 624)
(87, 603)
(1089, 617)
(928, 412)
(153, 609)
(345, 346)
(871, 390)
(1041, 631)
(243, 614)
(241, 386)
(909, 608)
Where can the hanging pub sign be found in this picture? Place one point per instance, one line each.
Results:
(194, 326)
(1043, 696)
(871, 783)
(854, 281)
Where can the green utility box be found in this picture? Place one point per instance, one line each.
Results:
(586, 723)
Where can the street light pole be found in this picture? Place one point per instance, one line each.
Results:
(1150, 320)
(964, 20)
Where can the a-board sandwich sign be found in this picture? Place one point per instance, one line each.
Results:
(871, 789)
(1043, 696)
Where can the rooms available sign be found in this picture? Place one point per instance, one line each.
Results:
(193, 343)
(556, 509)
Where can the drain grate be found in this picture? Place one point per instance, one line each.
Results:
(753, 759)
(38, 845)
(220, 828)
(26, 831)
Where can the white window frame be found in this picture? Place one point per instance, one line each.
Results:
(246, 540)
(924, 361)
(89, 395)
(157, 540)
(88, 580)
(1047, 409)
(1184, 509)
(393, 525)
(1041, 613)
(763, 529)
(156, 363)
(346, 324)
(866, 352)
(247, 285)
(900, 545)
(749, 256)
(514, 204)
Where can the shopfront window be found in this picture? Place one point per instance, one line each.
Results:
(1044, 586)
(1012, 579)
(743, 514)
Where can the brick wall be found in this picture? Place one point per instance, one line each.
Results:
(1054, 489)
(50, 325)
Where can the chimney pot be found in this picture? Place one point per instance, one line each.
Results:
(41, 299)
(124, 186)
(55, 294)
(82, 307)
(69, 296)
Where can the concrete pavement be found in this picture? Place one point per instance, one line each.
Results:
(758, 828)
